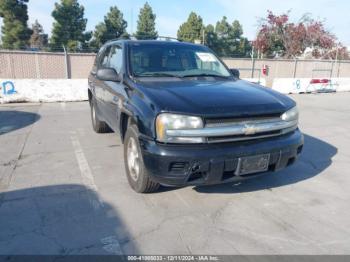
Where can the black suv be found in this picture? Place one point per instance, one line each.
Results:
(185, 118)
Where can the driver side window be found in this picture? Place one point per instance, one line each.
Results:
(104, 61)
(116, 58)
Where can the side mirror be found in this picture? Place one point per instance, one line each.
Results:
(108, 74)
(235, 72)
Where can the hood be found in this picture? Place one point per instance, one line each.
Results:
(213, 98)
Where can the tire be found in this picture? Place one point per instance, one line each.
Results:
(136, 172)
(98, 125)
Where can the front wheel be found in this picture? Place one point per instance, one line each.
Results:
(135, 169)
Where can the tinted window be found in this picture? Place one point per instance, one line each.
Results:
(116, 58)
(176, 59)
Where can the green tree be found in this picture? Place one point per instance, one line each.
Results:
(146, 24)
(15, 32)
(114, 26)
(223, 31)
(237, 44)
(69, 26)
(192, 29)
(230, 40)
(211, 39)
(237, 30)
(38, 39)
(245, 47)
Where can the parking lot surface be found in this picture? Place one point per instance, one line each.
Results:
(63, 190)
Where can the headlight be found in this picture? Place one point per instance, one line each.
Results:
(168, 121)
(291, 115)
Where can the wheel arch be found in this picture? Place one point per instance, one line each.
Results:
(126, 119)
(139, 113)
(89, 96)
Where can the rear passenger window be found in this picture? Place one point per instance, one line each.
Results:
(116, 58)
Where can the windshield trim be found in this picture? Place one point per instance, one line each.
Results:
(204, 75)
(159, 74)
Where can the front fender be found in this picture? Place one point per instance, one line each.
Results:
(143, 113)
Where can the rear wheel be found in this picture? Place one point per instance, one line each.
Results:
(98, 125)
(136, 172)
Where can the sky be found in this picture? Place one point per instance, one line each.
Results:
(171, 14)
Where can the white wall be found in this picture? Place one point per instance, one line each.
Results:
(51, 90)
(43, 90)
(305, 85)
(66, 90)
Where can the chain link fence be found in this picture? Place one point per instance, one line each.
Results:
(46, 65)
(289, 68)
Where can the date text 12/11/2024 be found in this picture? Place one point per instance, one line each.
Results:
(173, 258)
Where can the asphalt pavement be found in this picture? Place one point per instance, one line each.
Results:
(63, 190)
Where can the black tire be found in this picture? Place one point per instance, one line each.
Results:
(98, 125)
(142, 183)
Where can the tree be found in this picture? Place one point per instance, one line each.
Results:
(69, 26)
(340, 52)
(38, 39)
(241, 47)
(211, 39)
(278, 36)
(225, 39)
(114, 26)
(192, 29)
(244, 48)
(237, 30)
(230, 40)
(15, 32)
(146, 24)
(223, 31)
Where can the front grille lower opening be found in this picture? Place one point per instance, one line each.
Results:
(272, 167)
(228, 175)
(177, 166)
(196, 176)
(300, 149)
(291, 161)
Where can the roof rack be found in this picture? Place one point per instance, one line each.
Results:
(159, 38)
(168, 38)
(116, 39)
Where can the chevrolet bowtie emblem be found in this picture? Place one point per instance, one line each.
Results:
(250, 130)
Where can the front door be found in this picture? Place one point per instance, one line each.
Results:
(114, 91)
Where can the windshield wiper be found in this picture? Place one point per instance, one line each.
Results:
(158, 74)
(204, 74)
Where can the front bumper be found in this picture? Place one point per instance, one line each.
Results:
(205, 164)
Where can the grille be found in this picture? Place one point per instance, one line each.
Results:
(217, 122)
(224, 122)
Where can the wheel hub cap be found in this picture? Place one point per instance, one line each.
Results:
(133, 159)
(93, 114)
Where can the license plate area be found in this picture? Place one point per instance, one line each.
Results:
(252, 164)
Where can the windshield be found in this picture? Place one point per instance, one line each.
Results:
(174, 60)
